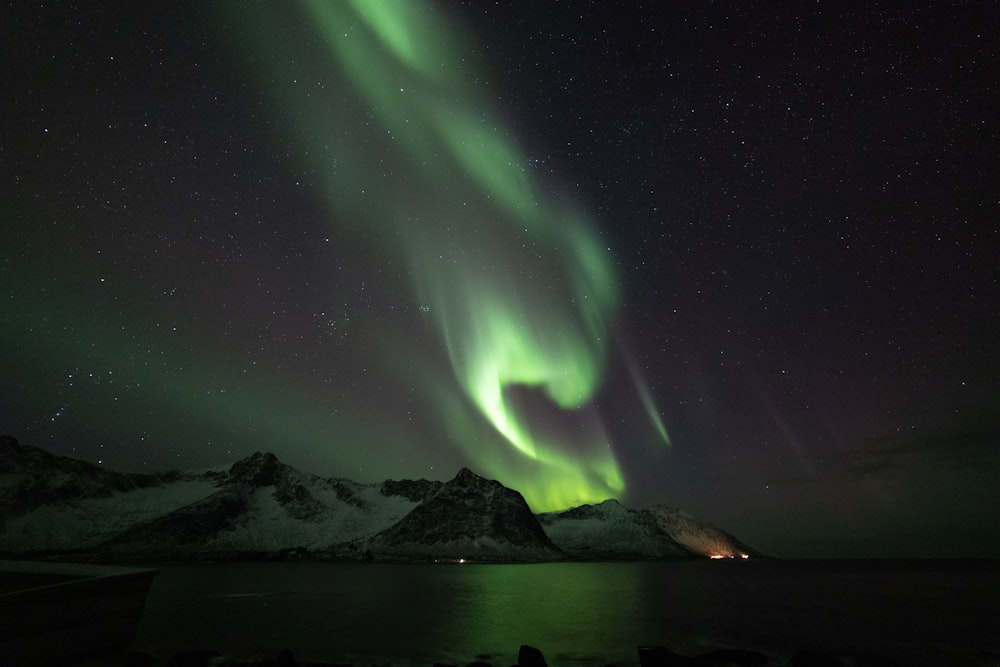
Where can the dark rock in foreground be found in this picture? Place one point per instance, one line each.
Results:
(529, 656)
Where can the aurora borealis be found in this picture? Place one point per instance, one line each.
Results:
(708, 257)
(518, 287)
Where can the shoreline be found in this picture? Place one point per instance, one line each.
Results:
(528, 656)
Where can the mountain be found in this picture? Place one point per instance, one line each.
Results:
(59, 479)
(264, 506)
(700, 538)
(260, 507)
(468, 517)
(54, 503)
(609, 531)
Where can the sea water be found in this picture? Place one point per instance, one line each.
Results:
(926, 612)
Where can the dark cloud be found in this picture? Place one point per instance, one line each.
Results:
(949, 451)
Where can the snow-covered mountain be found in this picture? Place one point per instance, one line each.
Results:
(701, 538)
(262, 507)
(265, 506)
(610, 530)
(259, 505)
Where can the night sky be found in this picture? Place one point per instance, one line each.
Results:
(741, 260)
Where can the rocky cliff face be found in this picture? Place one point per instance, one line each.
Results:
(469, 517)
(416, 491)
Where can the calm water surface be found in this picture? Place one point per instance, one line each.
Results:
(577, 613)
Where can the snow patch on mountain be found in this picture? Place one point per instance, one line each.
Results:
(269, 526)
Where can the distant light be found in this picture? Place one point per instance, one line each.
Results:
(461, 560)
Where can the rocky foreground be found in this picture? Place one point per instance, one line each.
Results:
(646, 656)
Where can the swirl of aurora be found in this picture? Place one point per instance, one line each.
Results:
(519, 288)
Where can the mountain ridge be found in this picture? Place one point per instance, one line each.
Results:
(262, 508)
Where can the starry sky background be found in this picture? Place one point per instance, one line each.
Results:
(800, 204)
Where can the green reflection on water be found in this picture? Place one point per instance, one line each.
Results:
(571, 611)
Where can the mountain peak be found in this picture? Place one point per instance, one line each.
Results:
(10, 452)
(14, 455)
(466, 477)
(258, 469)
(470, 516)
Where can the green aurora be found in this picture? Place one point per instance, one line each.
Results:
(339, 233)
(518, 285)
(520, 293)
